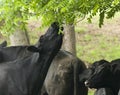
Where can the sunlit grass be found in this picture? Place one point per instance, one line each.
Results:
(91, 50)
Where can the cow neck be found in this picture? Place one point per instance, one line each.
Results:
(38, 71)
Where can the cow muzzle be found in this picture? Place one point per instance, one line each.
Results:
(86, 83)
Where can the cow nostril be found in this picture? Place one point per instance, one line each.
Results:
(86, 83)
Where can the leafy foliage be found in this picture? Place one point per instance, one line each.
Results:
(15, 13)
(65, 11)
(69, 11)
(105, 8)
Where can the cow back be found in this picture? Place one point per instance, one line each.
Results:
(63, 75)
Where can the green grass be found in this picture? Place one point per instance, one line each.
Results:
(95, 48)
(91, 92)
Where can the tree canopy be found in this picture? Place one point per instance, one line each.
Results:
(15, 13)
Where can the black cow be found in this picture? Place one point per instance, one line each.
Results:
(107, 74)
(63, 76)
(103, 91)
(88, 72)
(25, 76)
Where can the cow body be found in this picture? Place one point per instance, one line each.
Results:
(25, 76)
(105, 75)
(63, 76)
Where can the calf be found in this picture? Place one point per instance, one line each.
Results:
(63, 76)
(107, 74)
(25, 76)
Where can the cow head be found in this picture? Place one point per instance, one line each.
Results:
(100, 74)
(50, 40)
(52, 32)
(90, 70)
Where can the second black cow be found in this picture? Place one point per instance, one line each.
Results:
(105, 75)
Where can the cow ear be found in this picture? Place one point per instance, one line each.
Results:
(3, 44)
(33, 49)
